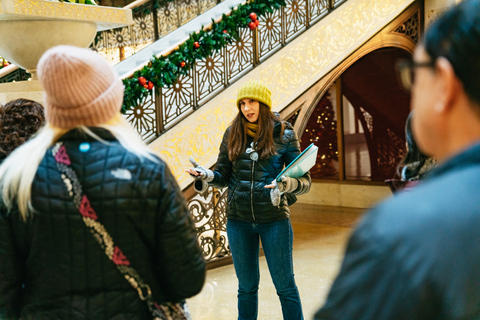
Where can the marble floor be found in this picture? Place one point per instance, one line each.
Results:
(320, 235)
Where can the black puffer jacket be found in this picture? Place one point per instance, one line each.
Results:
(248, 199)
(52, 268)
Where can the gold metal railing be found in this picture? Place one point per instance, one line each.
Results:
(164, 107)
(151, 22)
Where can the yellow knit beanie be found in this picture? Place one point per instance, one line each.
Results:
(255, 90)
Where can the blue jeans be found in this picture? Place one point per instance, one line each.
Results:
(277, 241)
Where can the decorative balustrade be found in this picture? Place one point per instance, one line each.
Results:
(18, 74)
(164, 106)
(151, 22)
(208, 213)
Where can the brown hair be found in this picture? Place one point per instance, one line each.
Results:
(265, 146)
(19, 120)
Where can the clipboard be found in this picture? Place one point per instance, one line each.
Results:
(301, 164)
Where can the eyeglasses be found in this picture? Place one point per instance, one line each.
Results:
(406, 71)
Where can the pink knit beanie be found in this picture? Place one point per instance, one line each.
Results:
(80, 87)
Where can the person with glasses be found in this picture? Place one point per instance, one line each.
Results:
(416, 256)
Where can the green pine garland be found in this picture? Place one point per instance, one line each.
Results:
(165, 70)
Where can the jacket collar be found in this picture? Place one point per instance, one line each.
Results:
(277, 125)
(79, 135)
(467, 158)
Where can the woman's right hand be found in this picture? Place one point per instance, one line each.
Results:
(198, 172)
(201, 175)
(194, 173)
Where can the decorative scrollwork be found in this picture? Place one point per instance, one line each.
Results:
(270, 34)
(143, 30)
(318, 8)
(239, 55)
(410, 27)
(178, 99)
(390, 149)
(17, 75)
(368, 120)
(167, 18)
(296, 17)
(116, 45)
(120, 37)
(210, 75)
(187, 10)
(209, 215)
(143, 118)
(207, 4)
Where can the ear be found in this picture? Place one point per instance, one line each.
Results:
(449, 84)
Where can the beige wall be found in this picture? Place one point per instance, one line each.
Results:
(435, 7)
(341, 194)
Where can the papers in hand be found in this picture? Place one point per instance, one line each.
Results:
(301, 164)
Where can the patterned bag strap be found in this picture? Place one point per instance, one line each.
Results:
(103, 238)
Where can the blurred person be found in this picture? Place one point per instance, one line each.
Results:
(415, 165)
(87, 179)
(254, 149)
(416, 256)
(19, 120)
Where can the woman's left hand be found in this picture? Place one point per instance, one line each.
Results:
(285, 185)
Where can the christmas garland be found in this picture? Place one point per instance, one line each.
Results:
(92, 2)
(3, 63)
(165, 70)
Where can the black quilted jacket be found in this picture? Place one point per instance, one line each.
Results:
(248, 199)
(52, 268)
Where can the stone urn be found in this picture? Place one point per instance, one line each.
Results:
(28, 28)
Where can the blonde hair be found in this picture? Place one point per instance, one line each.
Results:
(18, 170)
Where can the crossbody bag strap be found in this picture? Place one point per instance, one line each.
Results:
(101, 235)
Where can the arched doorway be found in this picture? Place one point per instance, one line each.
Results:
(369, 141)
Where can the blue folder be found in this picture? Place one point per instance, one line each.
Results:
(304, 162)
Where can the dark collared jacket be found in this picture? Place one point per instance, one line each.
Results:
(417, 255)
(52, 268)
(248, 199)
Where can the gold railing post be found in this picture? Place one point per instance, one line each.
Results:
(121, 53)
(307, 13)
(156, 34)
(256, 47)
(157, 98)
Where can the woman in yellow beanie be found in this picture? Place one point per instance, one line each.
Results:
(253, 152)
(91, 221)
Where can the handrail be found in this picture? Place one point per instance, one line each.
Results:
(173, 47)
(135, 4)
(149, 25)
(7, 70)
